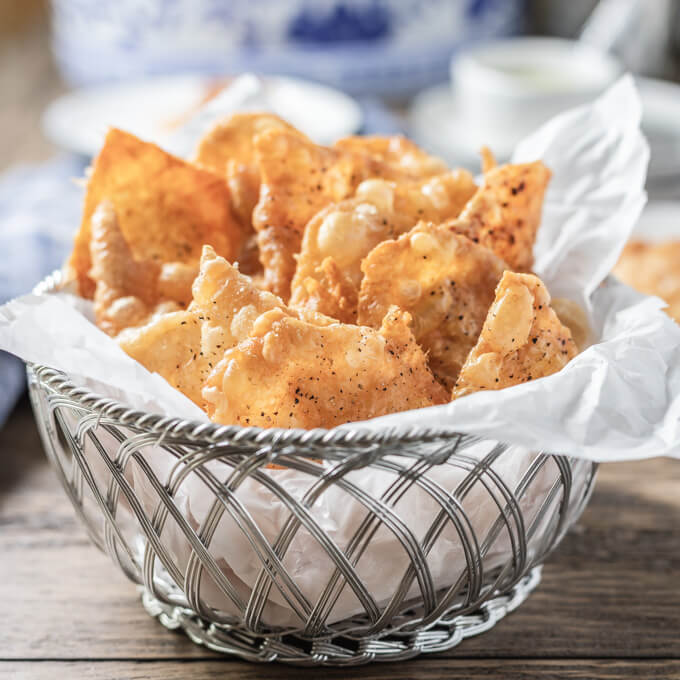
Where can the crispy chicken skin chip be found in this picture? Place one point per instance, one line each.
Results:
(185, 346)
(444, 280)
(396, 150)
(291, 373)
(522, 339)
(653, 269)
(299, 178)
(505, 213)
(229, 150)
(344, 233)
(167, 208)
(227, 304)
(170, 345)
(128, 291)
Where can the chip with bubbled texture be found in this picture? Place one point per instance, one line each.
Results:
(299, 178)
(185, 346)
(343, 234)
(128, 291)
(522, 339)
(505, 213)
(444, 280)
(292, 373)
(228, 149)
(167, 208)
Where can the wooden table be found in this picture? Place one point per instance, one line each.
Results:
(608, 607)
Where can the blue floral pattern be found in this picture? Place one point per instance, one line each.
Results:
(363, 46)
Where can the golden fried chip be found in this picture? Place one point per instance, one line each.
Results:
(444, 280)
(328, 291)
(170, 345)
(522, 339)
(128, 291)
(291, 373)
(227, 304)
(299, 179)
(653, 269)
(229, 150)
(349, 230)
(167, 209)
(395, 150)
(505, 213)
(184, 347)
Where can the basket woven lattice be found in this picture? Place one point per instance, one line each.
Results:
(309, 547)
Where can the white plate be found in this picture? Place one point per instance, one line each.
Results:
(436, 124)
(78, 121)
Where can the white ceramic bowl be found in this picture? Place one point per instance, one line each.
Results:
(505, 89)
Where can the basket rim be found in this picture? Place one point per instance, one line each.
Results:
(211, 432)
(109, 407)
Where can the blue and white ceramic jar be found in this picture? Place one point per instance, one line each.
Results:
(362, 46)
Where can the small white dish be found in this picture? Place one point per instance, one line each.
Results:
(78, 121)
(438, 124)
(503, 90)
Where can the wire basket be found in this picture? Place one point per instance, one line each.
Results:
(100, 450)
(309, 547)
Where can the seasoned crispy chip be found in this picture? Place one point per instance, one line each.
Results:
(299, 179)
(229, 150)
(227, 304)
(167, 209)
(185, 346)
(505, 213)
(653, 269)
(396, 150)
(522, 339)
(128, 291)
(349, 230)
(328, 291)
(444, 280)
(291, 373)
(170, 345)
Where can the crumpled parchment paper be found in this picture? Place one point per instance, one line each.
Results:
(619, 399)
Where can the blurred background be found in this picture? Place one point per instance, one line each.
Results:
(453, 74)
(393, 56)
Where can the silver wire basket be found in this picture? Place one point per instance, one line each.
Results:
(371, 546)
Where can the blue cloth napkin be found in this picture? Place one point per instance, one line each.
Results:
(39, 213)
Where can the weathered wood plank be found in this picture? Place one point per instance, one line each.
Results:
(422, 669)
(609, 591)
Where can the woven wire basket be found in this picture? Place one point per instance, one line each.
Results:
(309, 547)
